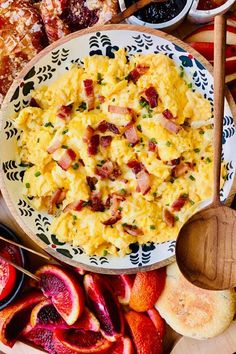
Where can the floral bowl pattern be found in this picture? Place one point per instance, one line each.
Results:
(47, 67)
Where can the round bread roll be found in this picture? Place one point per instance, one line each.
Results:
(194, 312)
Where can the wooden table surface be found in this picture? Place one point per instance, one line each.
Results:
(34, 262)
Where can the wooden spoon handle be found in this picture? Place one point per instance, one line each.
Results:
(219, 91)
(131, 10)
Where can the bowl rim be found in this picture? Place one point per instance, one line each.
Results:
(206, 13)
(157, 25)
(30, 64)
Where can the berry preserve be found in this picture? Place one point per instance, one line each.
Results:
(209, 4)
(159, 12)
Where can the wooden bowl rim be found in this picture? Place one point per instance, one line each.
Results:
(10, 204)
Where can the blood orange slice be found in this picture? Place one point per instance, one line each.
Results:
(7, 276)
(123, 346)
(158, 321)
(14, 318)
(64, 291)
(72, 341)
(105, 307)
(121, 286)
(42, 337)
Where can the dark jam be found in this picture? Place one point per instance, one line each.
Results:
(159, 12)
(209, 4)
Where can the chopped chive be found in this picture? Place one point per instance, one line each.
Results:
(123, 191)
(197, 150)
(27, 185)
(139, 128)
(75, 166)
(181, 74)
(105, 253)
(37, 174)
(185, 195)
(103, 83)
(84, 204)
(98, 106)
(74, 217)
(153, 140)
(144, 116)
(113, 99)
(208, 160)
(64, 146)
(99, 78)
(152, 227)
(191, 201)
(38, 140)
(181, 68)
(168, 143)
(49, 124)
(154, 194)
(65, 131)
(120, 209)
(176, 218)
(201, 132)
(82, 107)
(192, 178)
(190, 85)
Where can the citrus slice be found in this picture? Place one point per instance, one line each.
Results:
(64, 291)
(123, 346)
(121, 286)
(7, 276)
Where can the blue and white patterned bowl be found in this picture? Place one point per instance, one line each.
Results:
(47, 67)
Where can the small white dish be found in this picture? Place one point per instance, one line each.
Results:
(164, 26)
(204, 16)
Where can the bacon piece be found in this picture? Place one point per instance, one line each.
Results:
(64, 112)
(93, 145)
(105, 141)
(173, 162)
(101, 98)
(131, 134)
(152, 146)
(179, 203)
(103, 126)
(57, 197)
(138, 71)
(151, 96)
(109, 170)
(118, 109)
(115, 203)
(91, 182)
(135, 165)
(167, 114)
(33, 103)
(77, 206)
(88, 134)
(113, 128)
(181, 169)
(89, 92)
(143, 179)
(55, 145)
(96, 202)
(113, 220)
(168, 218)
(169, 125)
(67, 158)
(132, 230)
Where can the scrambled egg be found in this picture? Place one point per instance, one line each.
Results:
(157, 213)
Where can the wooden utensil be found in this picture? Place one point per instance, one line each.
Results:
(206, 245)
(21, 269)
(132, 9)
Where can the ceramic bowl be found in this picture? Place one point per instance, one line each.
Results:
(46, 68)
(201, 16)
(165, 26)
(8, 233)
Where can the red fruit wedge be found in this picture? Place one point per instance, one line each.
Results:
(41, 337)
(207, 49)
(158, 321)
(64, 291)
(7, 276)
(72, 341)
(15, 317)
(232, 87)
(121, 286)
(105, 307)
(231, 21)
(145, 336)
(206, 34)
(123, 346)
(146, 290)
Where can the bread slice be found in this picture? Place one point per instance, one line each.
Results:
(194, 312)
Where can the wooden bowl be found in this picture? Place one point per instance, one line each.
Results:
(46, 67)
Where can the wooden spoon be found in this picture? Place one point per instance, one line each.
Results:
(206, 245)
(131, 10)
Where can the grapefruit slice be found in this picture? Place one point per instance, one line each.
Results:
(64, 291)
(15, 317)
(121, 286)
(105, 307)
(7, 276)
(72, 341)
(123, 346)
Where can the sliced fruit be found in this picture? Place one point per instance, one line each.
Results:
(42, 337)
(194, 312)
(146, 289)
(145, 336)
(79, 271)
(158, 321)
(72, 341)
(7, 276)
(123, 345)
(105, 307)
(231, 21)
(64, 291)
(206, 34)
(230, 65)
(207, 49)
(15, 317)
(121, 286)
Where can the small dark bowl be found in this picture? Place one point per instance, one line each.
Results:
(8, 233)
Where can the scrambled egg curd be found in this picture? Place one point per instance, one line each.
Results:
(118, 151)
